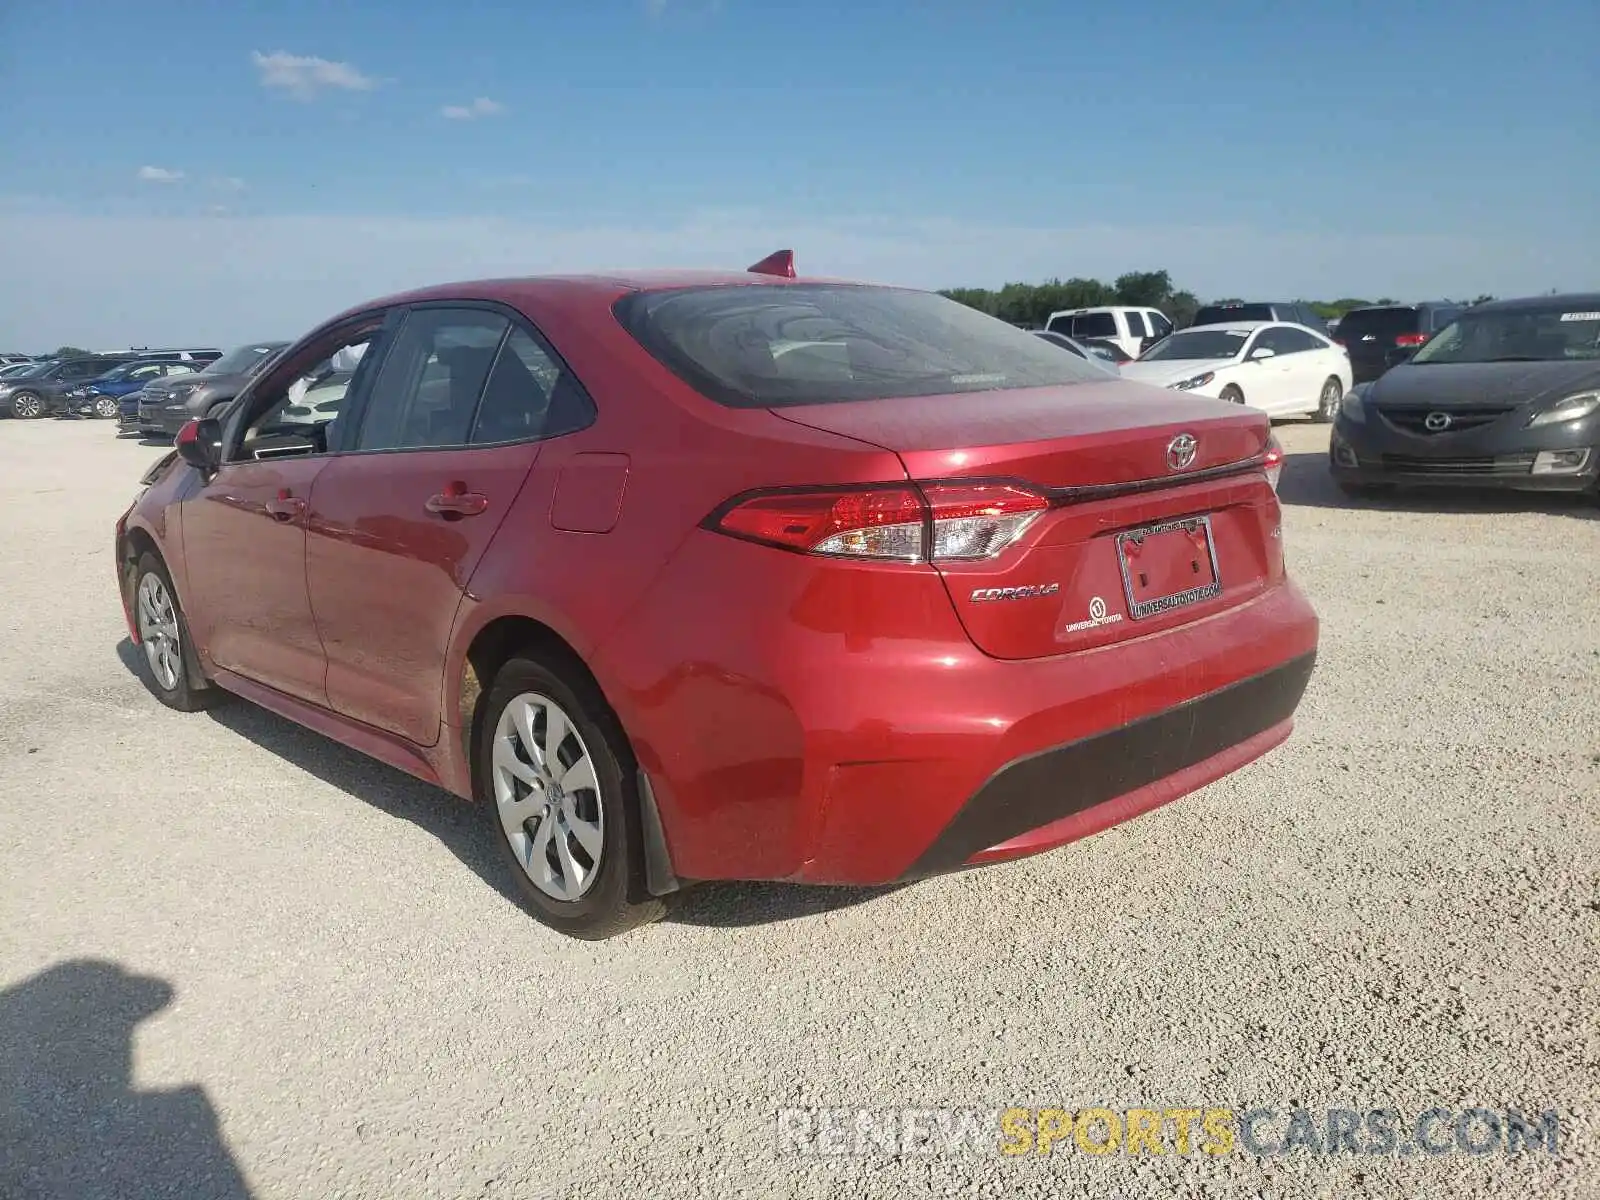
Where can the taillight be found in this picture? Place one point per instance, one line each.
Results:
(1410, 339)
(979, 520)
(933, 523)
(1272, 461)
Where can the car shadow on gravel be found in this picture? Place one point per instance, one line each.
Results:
(458, 826)
(736, 905)
(388, 789)
(1306, 482)
(72, 1123)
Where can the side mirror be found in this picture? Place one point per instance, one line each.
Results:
(1262, 352)
(199, 444)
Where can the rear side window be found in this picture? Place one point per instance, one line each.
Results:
(776, 345)
(1094, 325)
(1136, 325)
(1225, 314)
(530, 394)
(1380, 324)
(427, 391)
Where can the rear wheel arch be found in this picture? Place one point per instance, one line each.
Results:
(515, 636)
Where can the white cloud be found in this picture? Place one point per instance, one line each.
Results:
(303, 77)
(159, 175)
(481, 107)
(276, 276)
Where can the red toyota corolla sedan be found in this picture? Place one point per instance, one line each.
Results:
(703, 576)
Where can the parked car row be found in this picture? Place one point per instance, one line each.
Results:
(45, 387)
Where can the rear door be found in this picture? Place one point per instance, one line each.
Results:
(441, 446)
(1157, 517)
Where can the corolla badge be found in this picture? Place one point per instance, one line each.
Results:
(1181, 451)
(1026, 592)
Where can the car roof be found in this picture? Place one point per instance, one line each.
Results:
(1248, 325)
(1581, 301)
(596, 288)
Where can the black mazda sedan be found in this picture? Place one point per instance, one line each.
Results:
(1507, 395)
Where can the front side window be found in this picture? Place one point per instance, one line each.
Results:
(300, 413)
(1159, 325)
(1283, 340)
(1136, 325)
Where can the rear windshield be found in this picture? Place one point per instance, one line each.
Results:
(763, 346)
(1382, 324)
(1222, 314)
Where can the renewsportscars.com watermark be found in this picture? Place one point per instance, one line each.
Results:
(1261, 1132)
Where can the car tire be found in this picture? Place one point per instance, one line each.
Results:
(27, 406)
(214, 413)
(1232, 394)
(575, 853)
(168, 662)
(1328, 408)
(106, 407)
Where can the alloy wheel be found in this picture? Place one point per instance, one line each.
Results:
(548, 796)
(1329, 407)
(27, 406)
(106, 406)
(158, 630)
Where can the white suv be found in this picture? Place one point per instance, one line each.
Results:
(1134, 329)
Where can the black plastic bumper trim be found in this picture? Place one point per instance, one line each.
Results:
(1056, 783)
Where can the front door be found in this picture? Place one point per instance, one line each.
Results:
(244, 531)
(244, 542)
(444, 442)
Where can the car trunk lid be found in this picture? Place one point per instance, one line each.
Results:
(1159, 512)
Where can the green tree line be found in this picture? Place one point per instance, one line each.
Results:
(1030, 304)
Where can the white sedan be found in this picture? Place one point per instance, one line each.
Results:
(1283, 369)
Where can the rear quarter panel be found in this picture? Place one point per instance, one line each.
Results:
(685, 456)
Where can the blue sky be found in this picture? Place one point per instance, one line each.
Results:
(180, 172)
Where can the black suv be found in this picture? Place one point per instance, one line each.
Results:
(1382, 335)
(1261, 310)
(34, 393)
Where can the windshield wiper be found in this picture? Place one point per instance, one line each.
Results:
(1518, 358)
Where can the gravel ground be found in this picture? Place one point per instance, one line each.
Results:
(239, 959)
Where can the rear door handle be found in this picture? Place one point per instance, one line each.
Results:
(455, 501)
(284, 507)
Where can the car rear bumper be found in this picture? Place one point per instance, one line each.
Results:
(870, 759)
(1506, 455)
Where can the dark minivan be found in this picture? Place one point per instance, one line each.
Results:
(1382, 335)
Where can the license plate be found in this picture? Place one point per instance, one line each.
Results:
(1168, 566)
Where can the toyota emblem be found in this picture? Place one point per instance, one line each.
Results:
(1181, 451)
(1436, 422)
